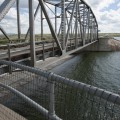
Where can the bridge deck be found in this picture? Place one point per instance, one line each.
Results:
(39, 48)
(24, 50)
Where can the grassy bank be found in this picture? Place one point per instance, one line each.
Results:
(46, 37)
(111, 35)
(14, 38)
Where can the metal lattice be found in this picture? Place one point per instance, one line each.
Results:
(72, 26)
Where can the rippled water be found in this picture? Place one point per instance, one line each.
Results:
(117, 38)
(101, 69)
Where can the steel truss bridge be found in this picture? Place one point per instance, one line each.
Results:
(38, 94)
(73, 24)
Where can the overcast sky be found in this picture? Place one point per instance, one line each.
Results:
(107, 13)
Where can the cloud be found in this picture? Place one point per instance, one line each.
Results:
(24, 3)
(118, 4)
(10, 20)
(108, 18)
(100, 4)
(1, 1)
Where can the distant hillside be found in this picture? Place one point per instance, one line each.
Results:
(110, 34)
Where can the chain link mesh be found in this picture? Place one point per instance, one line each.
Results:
(73, 103)
(72, 100)
(30, 84)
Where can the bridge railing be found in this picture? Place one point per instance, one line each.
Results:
(69, 99)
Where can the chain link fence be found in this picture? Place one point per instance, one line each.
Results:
(36, 94)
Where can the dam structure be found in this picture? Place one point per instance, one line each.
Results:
(27, 92)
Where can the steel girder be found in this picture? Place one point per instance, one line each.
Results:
(81, 26)
(43, 8)
(4, 33)
(78, 25)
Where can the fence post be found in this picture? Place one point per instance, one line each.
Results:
(9, 58)
(53, 49)
(70, 44)
(51, 113)
(43, 51)
(51, 97)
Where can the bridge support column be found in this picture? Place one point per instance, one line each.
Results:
(84, 25)
(97, 32)
(81, 27)
(92, 31)
(70, 25)
(63, 24)
(34, 18)
(41, 24)
(88, 17)
(56, 19)
(76, 26)
(32, 32)
(18, 18)
(41, 2)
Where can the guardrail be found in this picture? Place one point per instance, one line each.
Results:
(69, 99)
(43, 51)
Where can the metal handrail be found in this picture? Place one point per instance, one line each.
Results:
(106, 95)
(52, 79)
(30, 102)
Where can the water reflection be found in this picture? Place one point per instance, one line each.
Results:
(101, 69)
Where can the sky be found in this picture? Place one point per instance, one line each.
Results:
(107, 13)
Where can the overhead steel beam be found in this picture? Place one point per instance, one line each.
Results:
(5, 7)
(81, 2)
(69, 4)
(4, 33)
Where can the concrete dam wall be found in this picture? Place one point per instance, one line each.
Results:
(104, 45)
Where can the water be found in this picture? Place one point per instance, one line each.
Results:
(117, 38)
(101, 69)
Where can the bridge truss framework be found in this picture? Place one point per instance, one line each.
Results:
(78, 25)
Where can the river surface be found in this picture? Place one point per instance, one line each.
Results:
(117, 38)
(101, 69)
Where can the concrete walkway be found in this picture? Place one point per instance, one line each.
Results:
(52, 62)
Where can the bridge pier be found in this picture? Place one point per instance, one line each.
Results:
(103, 45)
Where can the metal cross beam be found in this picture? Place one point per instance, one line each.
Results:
(72, 23)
